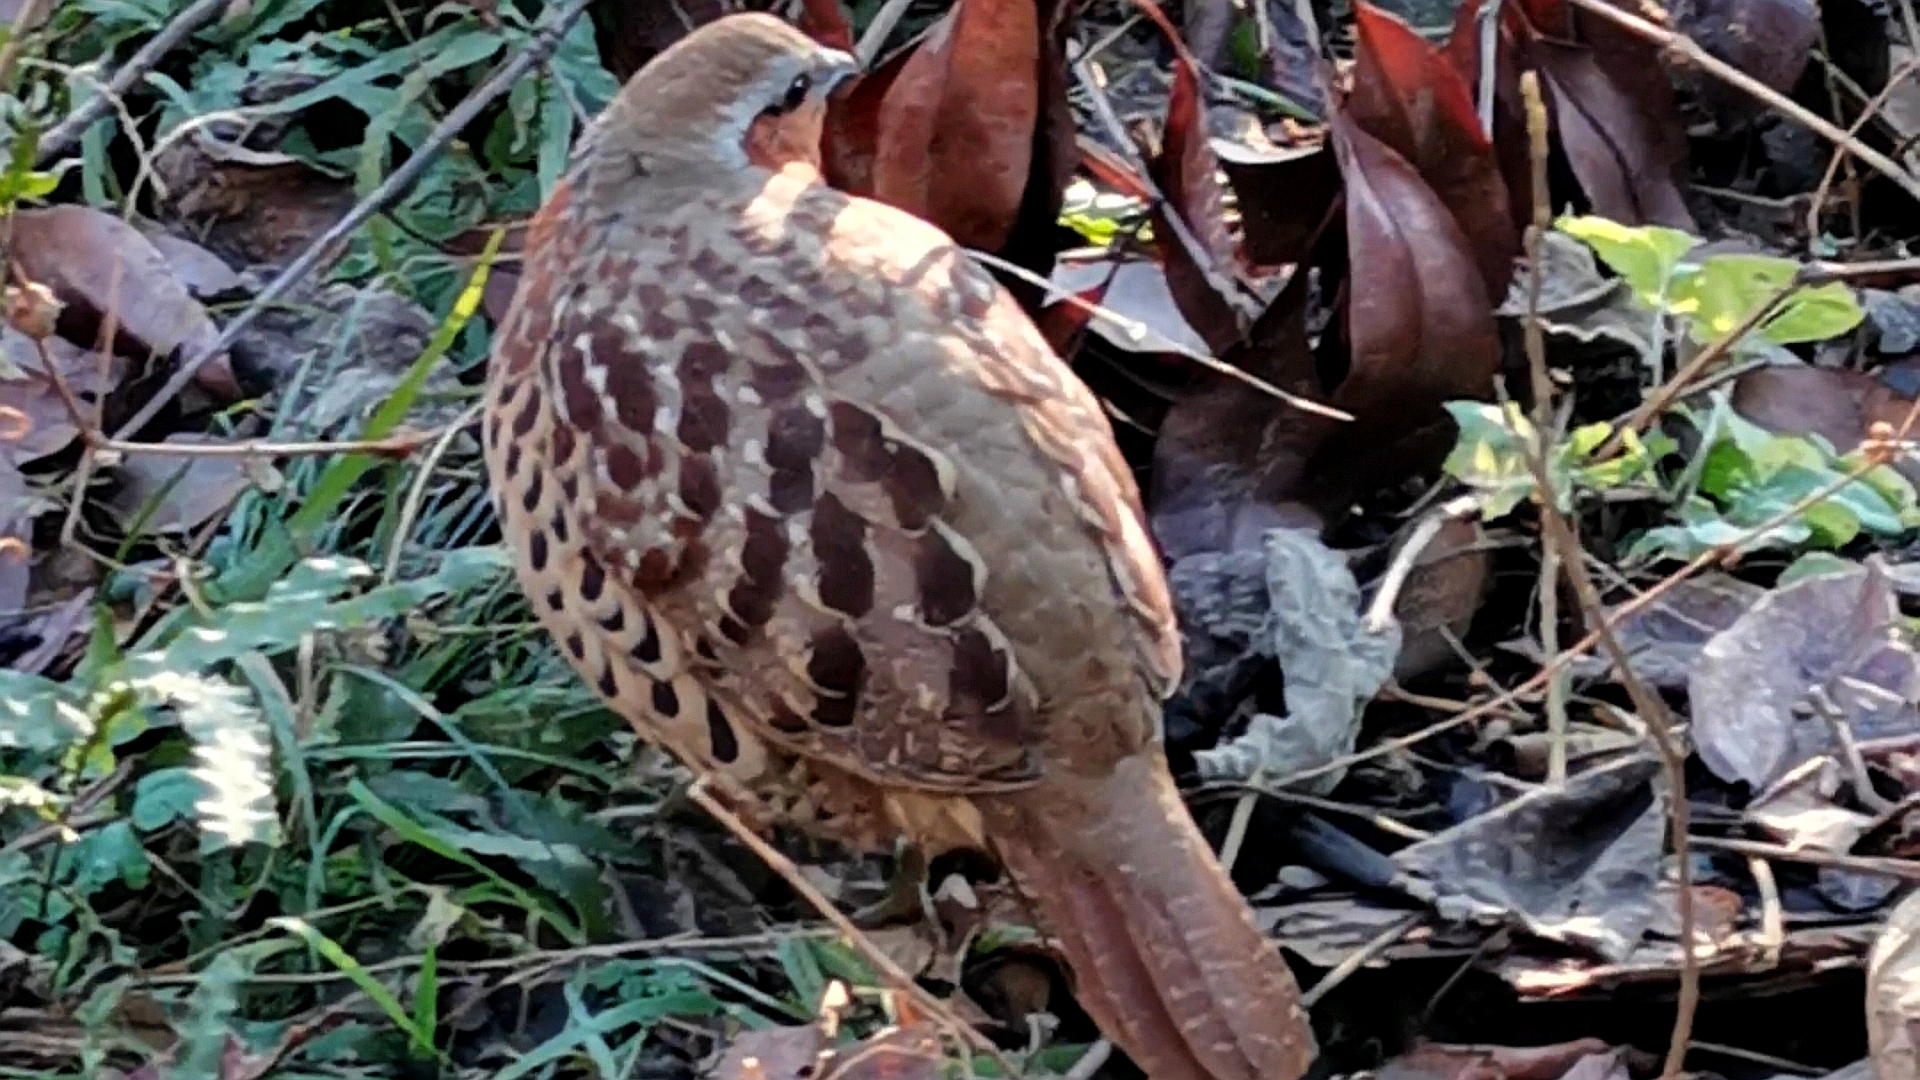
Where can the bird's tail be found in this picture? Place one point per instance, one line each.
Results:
(1165, 953)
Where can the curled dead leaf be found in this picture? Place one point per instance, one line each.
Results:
(1201, 257)
(28, 389)
(1839, 405)
(1618, 124)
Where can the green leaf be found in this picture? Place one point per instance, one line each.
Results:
(411, 831)
(418, 1038)
(1832, 523)
(1814, 564)
(1646, 257)
(1727, 289)
(163, 797)
(1490, 454)
(39, 714)
(1816, 314)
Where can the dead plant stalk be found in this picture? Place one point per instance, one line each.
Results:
(1562, 544)
(861, 943)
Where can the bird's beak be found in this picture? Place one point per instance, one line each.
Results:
(836, 69)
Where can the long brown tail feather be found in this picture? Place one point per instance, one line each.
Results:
(1166, 956)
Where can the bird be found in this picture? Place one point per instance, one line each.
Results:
(803, 494)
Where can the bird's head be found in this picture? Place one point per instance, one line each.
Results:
(742, 90)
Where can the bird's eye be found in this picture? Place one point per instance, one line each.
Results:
(797, 91)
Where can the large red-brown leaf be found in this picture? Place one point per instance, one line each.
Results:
(1613, 107)
(851, 134)
(1200, 263)
(1407, 95)
(1462, 52)
(955, 141)
(1419, 321)
(1285, 198)
(1037, 237)
(825, 22)
(1231, 461)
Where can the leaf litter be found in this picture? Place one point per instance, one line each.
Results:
(291, 788)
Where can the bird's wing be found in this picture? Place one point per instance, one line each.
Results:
(789, 437)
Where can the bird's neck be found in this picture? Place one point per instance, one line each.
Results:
(626, 184)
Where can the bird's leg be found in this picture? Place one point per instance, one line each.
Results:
(907, 894)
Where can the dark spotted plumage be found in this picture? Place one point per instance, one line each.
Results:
(806, 497)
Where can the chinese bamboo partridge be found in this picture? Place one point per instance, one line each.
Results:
(804, 494)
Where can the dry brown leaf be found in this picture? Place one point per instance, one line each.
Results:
(1893, 994)
(1450, 580)
(1838, 405)
(851, 135)
(250, 211)
(956, 127)
(16, 537)
(66, 622)
(1285, 197)
(205, 486)
(1230, 461)
(1838, 631)
(204, 274)
(1771, 40)
(98, 265)
(826, 22)
(1443, 1061)
(910, 1052)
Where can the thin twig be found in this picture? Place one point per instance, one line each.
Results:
(68, 131)
(1742, 1054)
(1904, 869)
(1773, 914)
(1380, 611)
(417, 497)
(1678, 384)
(1543, 425)
(861, 943)
(1090, 1062)
(1359, 958)
(1692, 54)
(400, 445)
(1136, 331)
(1816, 210)
(377, 201)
